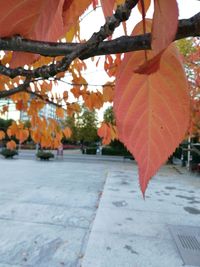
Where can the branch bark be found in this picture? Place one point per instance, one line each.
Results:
(20, 88)
(186, 28)
(122, 13)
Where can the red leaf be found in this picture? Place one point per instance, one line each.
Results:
(165, 22)
(150, 66)
(94, 3)
(146, 6)
(45, 20)
(152, 111)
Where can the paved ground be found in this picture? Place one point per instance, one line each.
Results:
(46, 209)
(55, 214)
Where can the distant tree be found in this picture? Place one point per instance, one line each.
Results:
(190, 50)
(4, 124)
(109, 115)
(87, 126)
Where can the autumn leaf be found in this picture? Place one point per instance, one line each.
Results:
(43, 20)
(146, 5)
(165, 22)
(36, 136)
(65, 96)
(152, 111)
(76, 92)
(108, 92)
(67, 132)
(73, 108)
(11, 145)
(60, 112)
(7, 58)
(105, 133)
(94, 3)
(19, 105)
(2, 135)
(107, 6)
(23, 135)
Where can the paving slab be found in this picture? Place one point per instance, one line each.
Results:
(46, 211)
(130, 231)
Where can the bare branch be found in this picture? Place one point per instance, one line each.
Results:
(20, 88)
(94, 46)
(43, 98)
(187, 28)
(122, 13)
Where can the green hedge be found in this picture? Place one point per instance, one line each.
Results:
(91, 150)
(8, 153)
(44, 155)
(115, 152)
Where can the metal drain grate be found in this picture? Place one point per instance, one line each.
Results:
(189, 242)
(187, 239)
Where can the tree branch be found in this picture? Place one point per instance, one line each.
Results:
(25, 88)
(94, 46)
(20, 88)
(186, 28)
(43, 98)
(122, 13)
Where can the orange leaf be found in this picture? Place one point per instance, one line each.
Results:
(152, 111)
(146, 5)
(76, 92)
(72, 108)
(60, 112)
(23, 135)
(105, 132)
(45, 20)
(7, 58)
(2, 135)
(11, 145)
(165, 22)
(67, 132)
(65, 96)
(108, 93)
(36, 136)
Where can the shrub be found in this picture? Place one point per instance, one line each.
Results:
(115, 152)
(8, 153)
(91, 150)
(44, 155)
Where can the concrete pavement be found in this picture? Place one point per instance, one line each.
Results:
(46, 210)
(92, 214)
(131, 232)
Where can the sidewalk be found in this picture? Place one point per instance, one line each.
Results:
(131, 232)
(90, 213)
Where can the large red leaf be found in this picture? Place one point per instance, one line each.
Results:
(45, 20)
(152, 110)
(165, 22)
